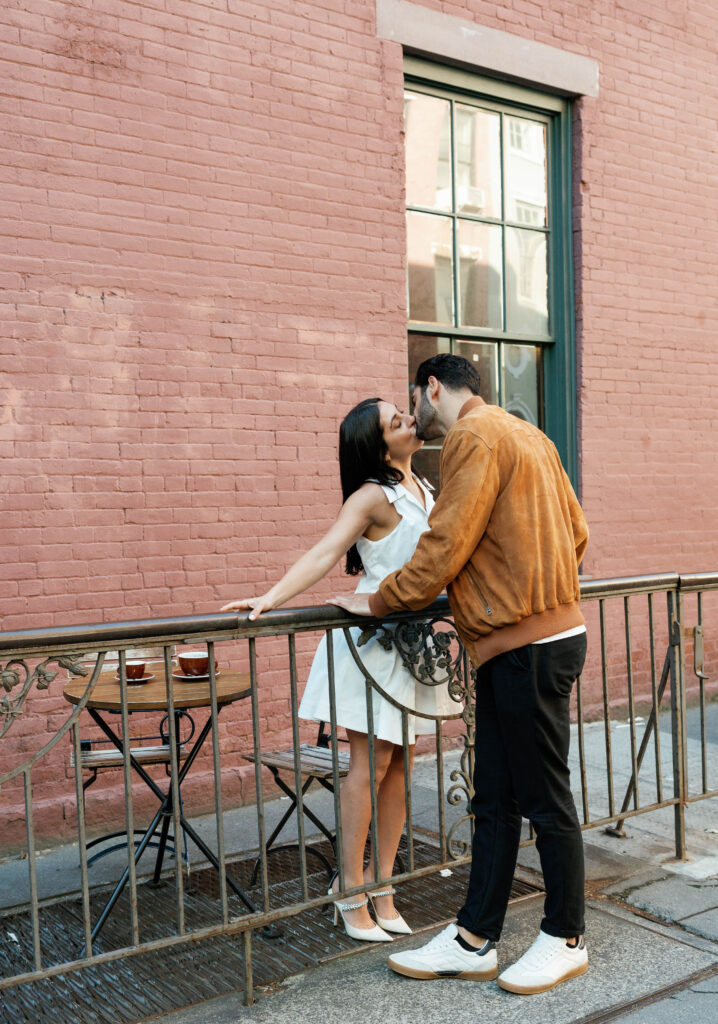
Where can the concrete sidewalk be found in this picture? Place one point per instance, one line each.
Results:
(628, 960)
(652, 934)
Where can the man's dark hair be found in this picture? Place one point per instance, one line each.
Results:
(454, 372)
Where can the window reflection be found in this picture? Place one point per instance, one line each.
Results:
(427, 124)
(480, 285)
(483, 357)
(525, 171)
(521, 378)
(424, 346)
(478, 161)
(430, 259)
(526, 282)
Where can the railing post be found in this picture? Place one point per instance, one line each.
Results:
(678, 717)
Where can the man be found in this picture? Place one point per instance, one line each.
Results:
(505, 539)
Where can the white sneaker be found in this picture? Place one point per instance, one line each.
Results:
(547, 963)
(443, 957)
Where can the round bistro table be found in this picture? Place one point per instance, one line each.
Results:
(148, 697)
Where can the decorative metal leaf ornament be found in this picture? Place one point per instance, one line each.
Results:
(17, 672)
(9, 678)
(75, 667)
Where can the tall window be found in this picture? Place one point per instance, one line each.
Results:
(489, 244)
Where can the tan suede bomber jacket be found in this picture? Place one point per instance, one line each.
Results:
(505, 538)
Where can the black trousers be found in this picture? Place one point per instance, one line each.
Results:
(521, 770)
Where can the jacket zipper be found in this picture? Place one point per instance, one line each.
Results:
(487, 607)
(474, 575)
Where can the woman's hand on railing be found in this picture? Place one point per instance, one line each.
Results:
(254, 605)
(357, 604)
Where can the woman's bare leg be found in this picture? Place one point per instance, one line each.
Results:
(356, 814)
(391, 808)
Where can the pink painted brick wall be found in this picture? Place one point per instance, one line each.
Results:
(204, 255)
(204, 267)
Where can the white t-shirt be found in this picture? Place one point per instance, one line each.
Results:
(560, 636)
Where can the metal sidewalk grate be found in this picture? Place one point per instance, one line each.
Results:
(135, 987)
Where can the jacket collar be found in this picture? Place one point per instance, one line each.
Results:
(471, 403)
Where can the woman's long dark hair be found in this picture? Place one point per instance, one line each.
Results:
(362, 457)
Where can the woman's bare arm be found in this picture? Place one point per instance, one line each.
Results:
(366, 506)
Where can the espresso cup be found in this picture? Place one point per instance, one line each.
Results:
(195, 663)
(134, 669)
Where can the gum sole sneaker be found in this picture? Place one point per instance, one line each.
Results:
(547, 963)
(443, 957)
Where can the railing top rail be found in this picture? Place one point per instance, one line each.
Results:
(622, 586)
(110, 636)
(694, 581)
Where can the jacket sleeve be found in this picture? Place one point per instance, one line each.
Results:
(469, 487)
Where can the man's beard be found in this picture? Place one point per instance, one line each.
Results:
(428, 427)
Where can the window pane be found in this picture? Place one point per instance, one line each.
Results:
(525, 171)
(427, 123)
(480, 288)
(521, 381)
(430, 257)
(478, 161)
(483, 356)
(526, 282)
(421, 347)
(424, 346)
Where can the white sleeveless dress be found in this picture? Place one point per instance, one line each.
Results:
(379, 558)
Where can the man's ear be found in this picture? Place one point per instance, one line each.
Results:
(433, 387)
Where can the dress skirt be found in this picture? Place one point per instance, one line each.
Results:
(387, 668)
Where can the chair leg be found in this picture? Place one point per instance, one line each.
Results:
(285, 818)
(161, 850)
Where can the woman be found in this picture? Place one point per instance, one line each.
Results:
(385, 511)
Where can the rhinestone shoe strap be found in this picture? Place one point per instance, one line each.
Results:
(351, 906)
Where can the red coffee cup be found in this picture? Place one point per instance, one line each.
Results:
(195, 663)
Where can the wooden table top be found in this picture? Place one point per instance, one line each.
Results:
(152, 696)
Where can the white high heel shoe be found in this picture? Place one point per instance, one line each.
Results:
(397, 924)
(373, 934)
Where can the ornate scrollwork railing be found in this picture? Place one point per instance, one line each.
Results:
(17, 672)
(11, 705)
(431, 651)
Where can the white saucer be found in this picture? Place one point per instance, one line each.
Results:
(194, 679)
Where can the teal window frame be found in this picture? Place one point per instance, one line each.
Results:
(558, 376)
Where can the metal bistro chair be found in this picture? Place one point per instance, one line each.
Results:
(315, 765)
